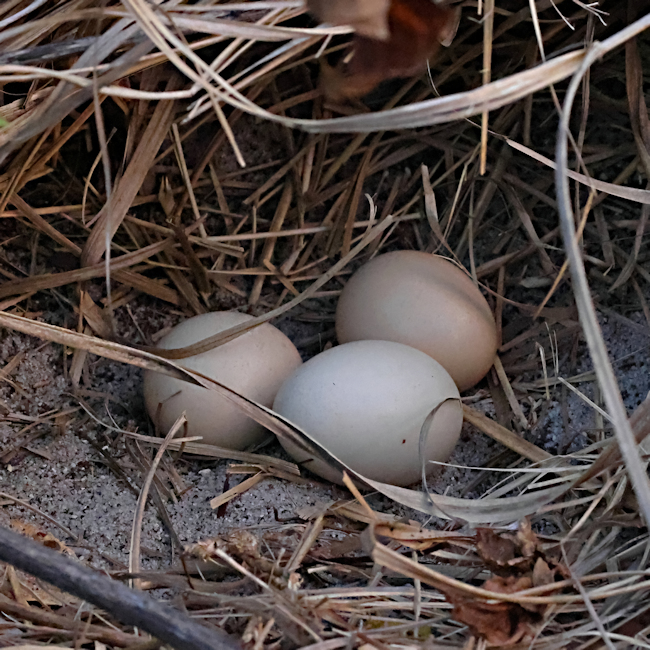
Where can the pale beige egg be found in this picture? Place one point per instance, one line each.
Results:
(367, 402)
(426, 302)
(255, 365)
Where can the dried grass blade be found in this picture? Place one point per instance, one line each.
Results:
(452, 107)
(269, 464)
(128, 186)
(244, 486)
(640, 421)
(52, 280)
(229, 334)
(59, 104)
(136, 530)
(42, 225)
(488, 37)
(586, 309)
(629, 193)
(504, 436)
(405, 566)
(487, 511)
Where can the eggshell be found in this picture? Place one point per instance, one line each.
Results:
(366, 403)
(255, 364)
(426, 302)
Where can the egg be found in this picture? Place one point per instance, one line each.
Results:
(426, 302)
(366, 403)
(254, 364)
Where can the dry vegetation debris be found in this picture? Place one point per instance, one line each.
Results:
(163, 160)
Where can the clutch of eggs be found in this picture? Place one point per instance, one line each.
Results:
(367, 403)
(255, 364)
(413, 330)
(426, 302)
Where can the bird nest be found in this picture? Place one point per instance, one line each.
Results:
(177, 158)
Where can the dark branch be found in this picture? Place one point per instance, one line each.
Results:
(128, 606)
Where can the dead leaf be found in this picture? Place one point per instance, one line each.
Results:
(416, 537)
(46, 539)
(542, 573)
(509, 585)
(331, 549)
(367, 17)
(507, 553)
(94, 316)
(166, 197)
(417, 28)
(527, 540)
(500, 624)
(27, 590)
(20, 594)
(493, 548)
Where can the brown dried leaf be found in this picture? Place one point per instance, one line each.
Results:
(416, 537)
(166, 197)
(94, 316)
(526, 539)
(499, 623)
(331, 549)
(509, 585)
(367, 17)
(38, 535)
(542, 573)
(495, 549)
(505, 552)
(417, 28)
(25, 589)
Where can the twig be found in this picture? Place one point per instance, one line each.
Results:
(128, 606)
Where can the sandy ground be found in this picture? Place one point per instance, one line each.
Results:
(46, 458)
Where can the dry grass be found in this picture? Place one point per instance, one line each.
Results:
(183, 153)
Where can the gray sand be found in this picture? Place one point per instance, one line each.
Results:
(52, 468)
